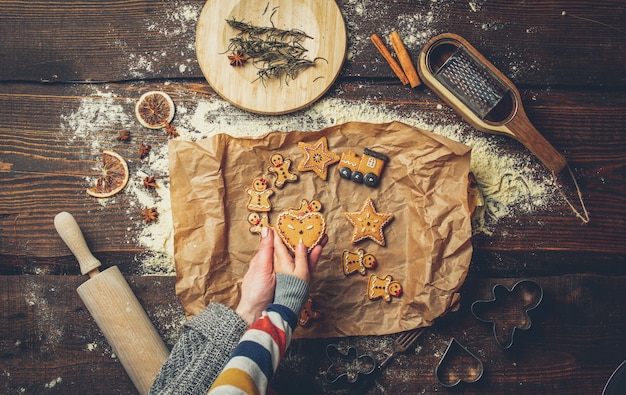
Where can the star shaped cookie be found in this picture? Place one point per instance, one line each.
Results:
(317, 157)
(368, 224)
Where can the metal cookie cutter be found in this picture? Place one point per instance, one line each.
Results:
(617, 382)
(349, 364)
(508, 309)
(457, 365)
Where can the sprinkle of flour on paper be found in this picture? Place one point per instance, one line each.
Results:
(507, 182)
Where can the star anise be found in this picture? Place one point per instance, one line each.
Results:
(149, 182)
(170, 130)
(238, 58)
(124, 135)
(144, 150)
(150, 214)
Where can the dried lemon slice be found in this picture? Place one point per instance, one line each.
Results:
(114, 176)
(155, 109)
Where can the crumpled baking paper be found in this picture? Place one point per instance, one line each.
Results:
(428, 244)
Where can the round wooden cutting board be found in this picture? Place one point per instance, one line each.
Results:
(319, 19)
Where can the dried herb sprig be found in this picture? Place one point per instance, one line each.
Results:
(265, 49)
(275, 52)
(289, 70)
(269, 32)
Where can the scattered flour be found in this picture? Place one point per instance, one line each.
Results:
(99, 112)
(172, 318)
(507, 182)
(474, 6)
(53, 383)
(179, 26)
(417, 29)
(50, 329)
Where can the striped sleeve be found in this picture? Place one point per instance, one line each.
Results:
(258, 354)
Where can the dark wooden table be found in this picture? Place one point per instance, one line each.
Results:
(70, 73)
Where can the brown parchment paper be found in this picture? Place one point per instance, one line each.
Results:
(428, 243)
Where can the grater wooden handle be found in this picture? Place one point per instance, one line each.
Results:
(523, 131)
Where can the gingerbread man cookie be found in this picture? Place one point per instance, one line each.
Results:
(307, 314)
(280, 167)
(258, 221)
(383, 288)
(308, 228)
(259, 196)
(357, 262)
(306, 207)
(368, 224)
(317, 157)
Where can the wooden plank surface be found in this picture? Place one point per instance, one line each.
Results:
(70, 73)
(50, 343)
(532, 42)
(49, 161)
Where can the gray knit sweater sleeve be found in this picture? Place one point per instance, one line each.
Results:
(203, 349)
(291, 292)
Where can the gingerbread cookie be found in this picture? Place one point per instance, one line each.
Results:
(280, 167)
(369, 224)
(317, 157)
(308, 228)
(306, 207)
(259, 196)
(307, 314)
(383, 288)
(258, 221)
(357, 262)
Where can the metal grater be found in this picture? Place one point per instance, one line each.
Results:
(481, 94)
(471, 82)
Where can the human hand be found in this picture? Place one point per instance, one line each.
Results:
(299, 265)
(257, 288)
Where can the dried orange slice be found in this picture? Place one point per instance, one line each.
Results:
(154, 109)
(114, 176)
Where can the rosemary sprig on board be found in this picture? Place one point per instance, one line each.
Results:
(275, 52)
(269, 32)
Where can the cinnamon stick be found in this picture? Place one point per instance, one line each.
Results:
(405, 59)
(380, 45)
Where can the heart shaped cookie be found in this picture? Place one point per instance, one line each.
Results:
(309, 228)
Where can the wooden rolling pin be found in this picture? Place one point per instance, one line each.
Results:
(116, 310)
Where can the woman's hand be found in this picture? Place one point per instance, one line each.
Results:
(259, 282)
(302, 264)
(257, 288)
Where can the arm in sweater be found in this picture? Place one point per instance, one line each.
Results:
(261, 348)
(201, 352)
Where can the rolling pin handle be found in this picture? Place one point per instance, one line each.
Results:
(70, 232)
